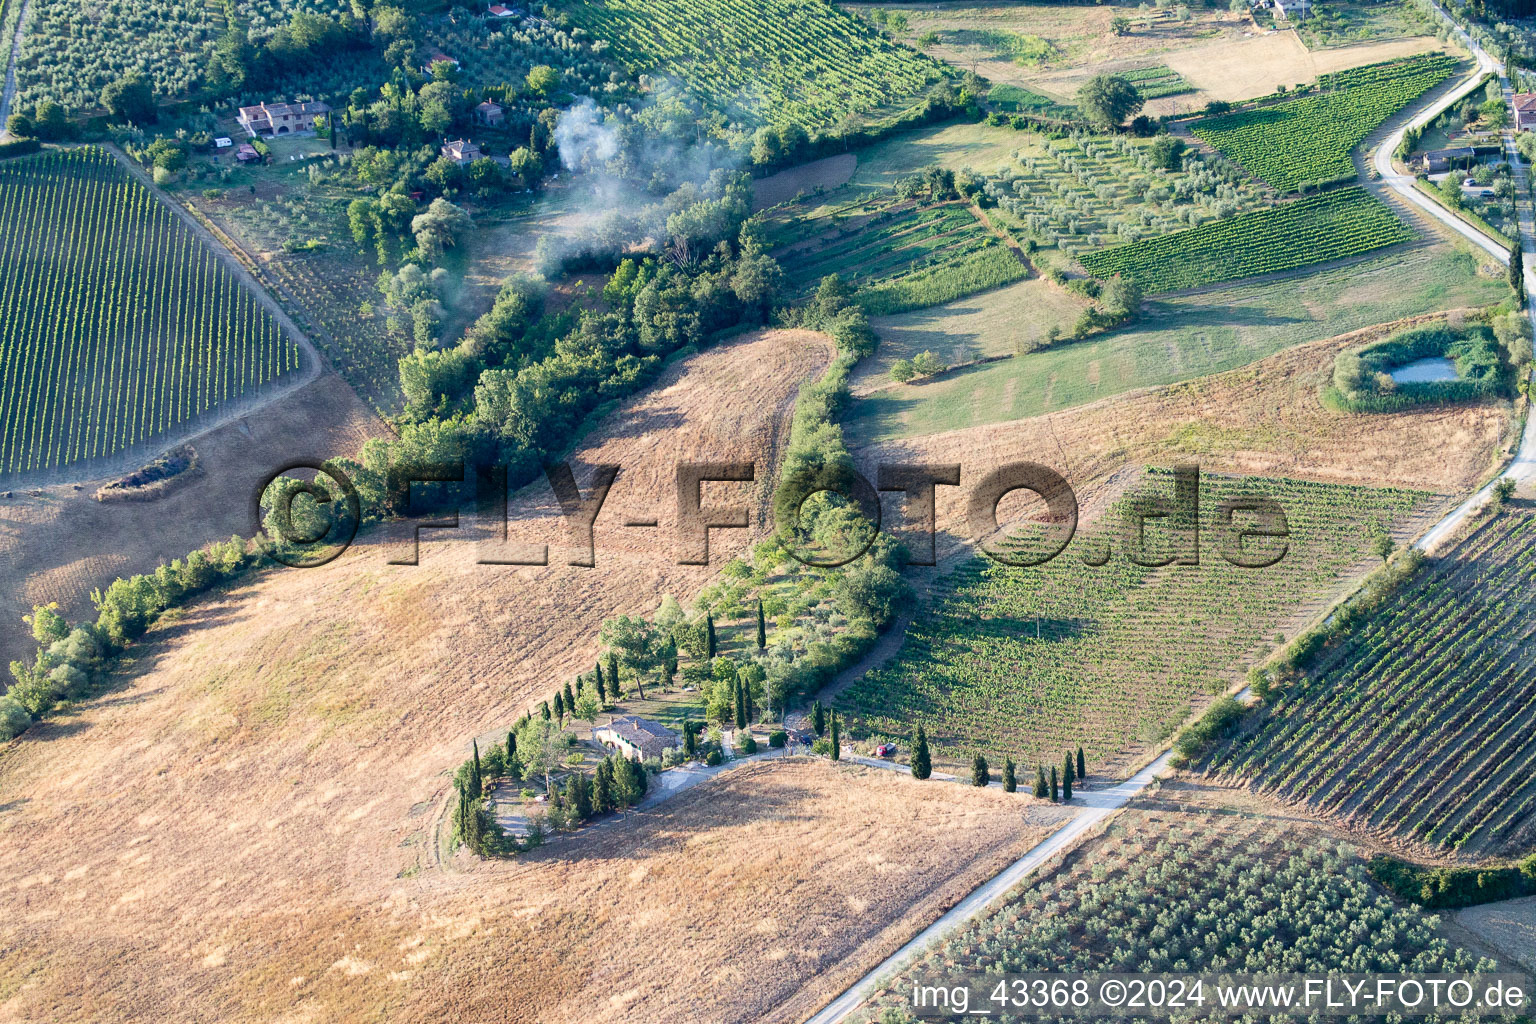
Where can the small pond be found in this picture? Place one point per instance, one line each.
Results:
(1422, 371)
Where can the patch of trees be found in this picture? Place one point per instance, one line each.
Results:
(72, 660)
(1444, 888)
(1487, 359)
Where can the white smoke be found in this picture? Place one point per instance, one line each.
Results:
(585, 143)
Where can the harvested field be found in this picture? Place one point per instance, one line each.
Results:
(775, 886)
(1243, 69)
(1508, 926)
(253, 801)
(1259, 420)
(58, 543)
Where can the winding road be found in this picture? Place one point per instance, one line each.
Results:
(1522, 468)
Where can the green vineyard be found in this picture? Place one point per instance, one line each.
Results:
(1028, 662)
(1418, 724)
(116, 323)
(1309, 140)
(1157, 81)
(777, 61)
(1313, 229)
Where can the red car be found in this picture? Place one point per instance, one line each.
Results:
(886, 750)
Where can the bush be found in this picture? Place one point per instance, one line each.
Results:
(746, 743)
(777, 739)
(1445, 888)
(713, 758)
(1218, 721)
(1362, 379)
(14, 719)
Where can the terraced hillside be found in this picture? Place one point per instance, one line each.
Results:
(1027, 662)
(1418, 725)
(116, 322)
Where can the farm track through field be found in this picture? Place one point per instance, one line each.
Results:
(1522, 468)
(311, 364)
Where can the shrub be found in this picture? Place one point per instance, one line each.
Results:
(746, 744)
(713, 758)
(778, 738)
(1219, 720)
(14, 718)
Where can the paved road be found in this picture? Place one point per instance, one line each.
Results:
(1522, 469)
(1103, 803)
(1098, 804)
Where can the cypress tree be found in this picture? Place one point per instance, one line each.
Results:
(922, 765)
(818, 718)
(746, 698)
(613, 676)
(1042, 788)
(1055, 786)
(560, 706)
(511, 753)
(741, 704)
(1517, 273)
(602, 692)
(477, 781)
(1066, 787)
(690, 739)
(669, 671)
(1082, 766)
(544, 710)
(1010, 784)
(602, 788)
(981, 773)
(709, 636)
(1068, 771)
(762, 628)
(576, 798)
(640, 781)
(570, 697)
(837, 746)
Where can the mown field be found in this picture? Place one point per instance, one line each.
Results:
(777, 61)
(1177, 886)
(1178, 338)
(1027, 662)
(1309, 140)
(116, 322)
(1313, 229)
(1419, 724)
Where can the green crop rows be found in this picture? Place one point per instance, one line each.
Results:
(883, 239)
(1231, 893)
(1124, 653)
(1313, 229)
(1420, 723)
(116, 323)
(778, 61)
(1157, 81)
(1309, 140)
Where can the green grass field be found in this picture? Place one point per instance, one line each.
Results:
(116, 322)
(780, 61)
(1028, 662)
(1177, 339)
